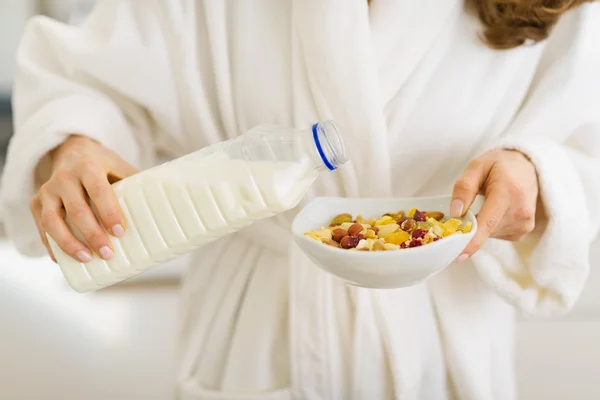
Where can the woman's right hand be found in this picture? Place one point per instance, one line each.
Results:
(82, 171)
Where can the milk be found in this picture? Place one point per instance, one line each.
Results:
(185, 204)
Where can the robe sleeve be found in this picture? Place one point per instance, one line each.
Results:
(558, 128)
(62, 88)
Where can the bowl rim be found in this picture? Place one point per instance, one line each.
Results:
(468, 217)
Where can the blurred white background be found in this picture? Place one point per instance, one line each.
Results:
(119, 344)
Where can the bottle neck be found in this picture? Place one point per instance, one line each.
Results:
(326, 146)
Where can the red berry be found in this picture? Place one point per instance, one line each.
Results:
(419, 233)
(402, 245)
(360, 236)
(436, 239)
(415, 243)
(420, 216)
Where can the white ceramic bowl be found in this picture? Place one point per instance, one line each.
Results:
(380, 269)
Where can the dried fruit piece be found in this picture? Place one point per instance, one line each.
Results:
(331, 242)
(360, 220)
(437, 215)
(415, 243)
(385, 230)
(374, 229)
(411, 212)
(385, 220)
(420, 216)
(419, 233)
(397, 237)
(340, 219)
(349, 242)
(355, 229)
(408, 225)
(338, 234)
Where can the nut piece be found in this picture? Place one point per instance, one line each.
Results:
(349, 242)
(378, 246)
(340, 219)
(355, 229)
(363, 245)
(390, 246)
(437, 215)
(338, 234)
(409, 225)
(346, 225)
(331, 242)
(370, 234)
(385, 230)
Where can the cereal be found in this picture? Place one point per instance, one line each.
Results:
(385, 220)
(392, 231)
(370, 234)
(397, 238)
(339, 219)
(385, 230)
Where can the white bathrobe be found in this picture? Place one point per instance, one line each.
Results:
(418, 94)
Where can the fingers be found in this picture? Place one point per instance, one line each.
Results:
(102, 196)
(35, 205)
(52, 221)
(493, 210)
(119, 169)
(468, 185)
(83, 219)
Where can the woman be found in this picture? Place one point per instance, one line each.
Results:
(499, 98)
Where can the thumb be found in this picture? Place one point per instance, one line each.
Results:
(468, 185)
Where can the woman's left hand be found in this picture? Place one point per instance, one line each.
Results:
(508, 180)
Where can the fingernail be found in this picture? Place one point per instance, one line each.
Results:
(118, 231)
(84, 256)
(456, 208)
(106, 252)
(461, 258)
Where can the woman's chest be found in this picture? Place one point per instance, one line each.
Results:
(413, 89)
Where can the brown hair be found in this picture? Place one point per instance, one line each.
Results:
(510, 23)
